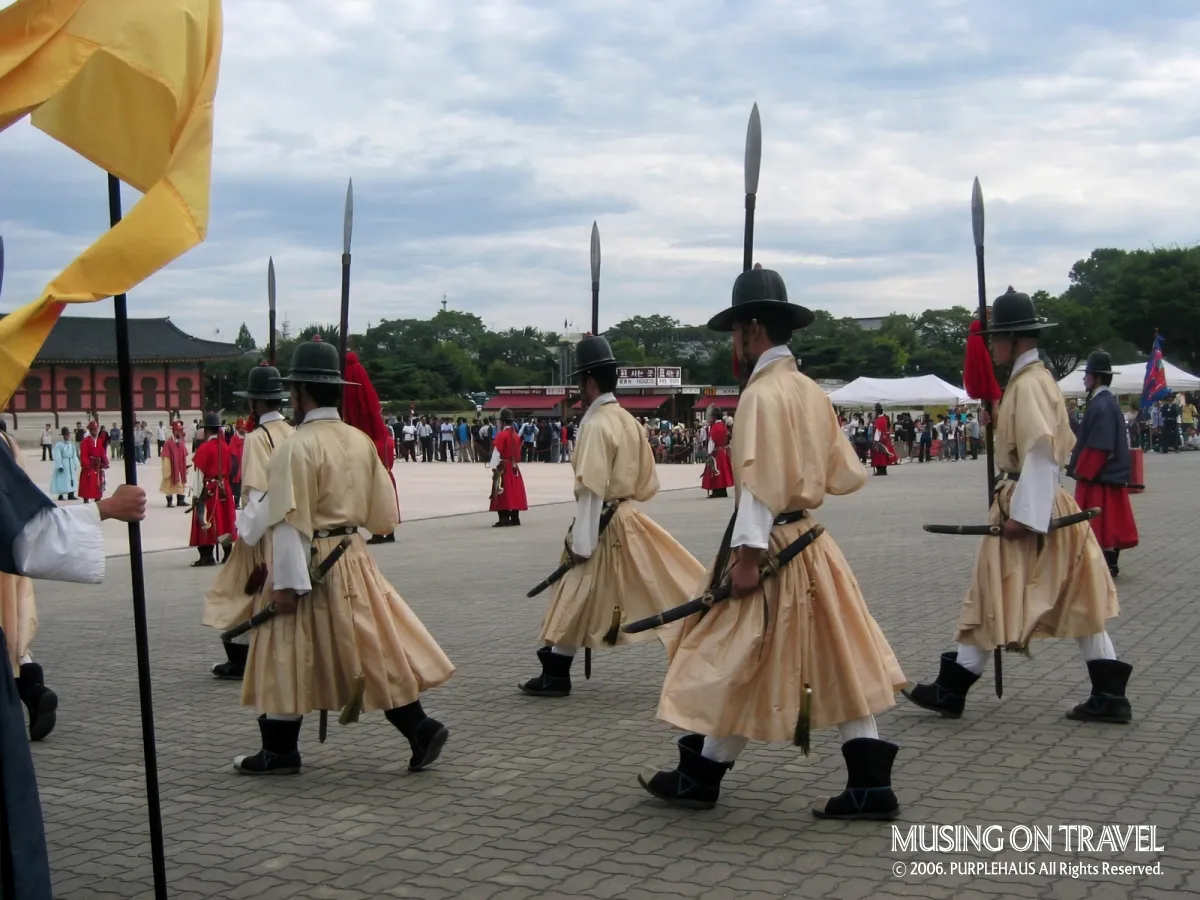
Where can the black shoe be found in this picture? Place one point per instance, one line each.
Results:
(61, 498)
(694, 784)
(868, 793)
(280, 753)
(555, 680)
(41, 702)
(376, 539)
(1107, 702)
(516, 518)
(947, 696)
(235, 668)
(170, 502)
(72, 497)
(426, 735)
(1111, 557)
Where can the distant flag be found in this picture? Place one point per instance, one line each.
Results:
(1154, 384)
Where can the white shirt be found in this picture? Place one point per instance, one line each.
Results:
(1032, 502)
(62, 544)
(409, 432)
(585, 535)
(754, 522)
(47, 438)
(162, 433)
(251, 520)
(447, 431)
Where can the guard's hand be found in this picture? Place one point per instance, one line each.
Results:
(128, 504)
(284, 599)
(744, 576)
(1014, 529)
(985, 418)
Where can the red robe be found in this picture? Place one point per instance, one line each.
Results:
(236, 443)
(214, 461)
(882, 458)
(93, 460)
(511, 495)
(718, 472)
(176, 453)
(1115, 527)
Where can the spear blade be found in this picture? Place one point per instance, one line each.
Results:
(753, 150)
(977, 213)
(595, 252)
(348, 220)
(271, 283)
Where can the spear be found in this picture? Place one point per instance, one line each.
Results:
(1, 262)
(347, 227)
(137, 575)
(989, 429)
(271, 307)
(587, 651)
(753, 163)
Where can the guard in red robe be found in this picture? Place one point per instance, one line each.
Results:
(361, 408)
(1100, 463)
(883, 454)
(93, 460)
(212, 505)
(508, 487)
(717, 477)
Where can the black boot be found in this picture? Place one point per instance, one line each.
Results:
(1107, 702)
(235, 668)
(1111, 557)
(280, 753)
(180, 499)
(694, 784)
(515, 517)
(868, 793)
(720, 492)
(207, 557)
(426, 735)
(170, 501)
(948, 694)
(41, 702)
(502, 519)
(555, 680)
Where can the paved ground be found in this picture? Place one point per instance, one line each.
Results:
(539, 798)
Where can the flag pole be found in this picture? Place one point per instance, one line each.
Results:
(137, 575)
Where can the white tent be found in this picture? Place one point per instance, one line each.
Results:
(1127, 379)
(924, 390)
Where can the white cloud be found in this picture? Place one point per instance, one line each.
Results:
(485, 136)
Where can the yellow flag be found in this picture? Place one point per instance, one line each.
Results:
(129, 85)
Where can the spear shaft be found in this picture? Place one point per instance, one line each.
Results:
(137, 574)
(347, 227)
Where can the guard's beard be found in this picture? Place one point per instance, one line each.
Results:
(743, 364)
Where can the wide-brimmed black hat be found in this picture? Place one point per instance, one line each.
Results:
(212, 420)
(505, 414)
(591, 353)
(263, 384)
(1099, 363)
(1014, 313)
(760, 290)
(316, 362)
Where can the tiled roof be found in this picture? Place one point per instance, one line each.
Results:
(79, 339)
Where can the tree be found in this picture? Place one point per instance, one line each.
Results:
(1156, 290)
(245, 339)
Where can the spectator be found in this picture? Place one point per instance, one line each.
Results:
(408, 441)
(528, 435)
(425, 435)
(47, 443)
(161, 438)
(463, 432)
(486, 433)
(79, 432)
(446, 440)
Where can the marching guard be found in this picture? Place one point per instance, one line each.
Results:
(341, 638)
(795, 647)
(1033, 579)
(883, 454)
(621, 563)
(1100, 463)
(174, 464)
(508, 487)
(231, 598)
(717, 477)
(213, 508)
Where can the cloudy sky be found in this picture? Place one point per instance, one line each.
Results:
(484, 137)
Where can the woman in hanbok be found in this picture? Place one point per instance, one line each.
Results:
(64, 481)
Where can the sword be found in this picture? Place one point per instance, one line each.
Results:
(557, 574)
(995, 530)
(724, 590)
(272, 610)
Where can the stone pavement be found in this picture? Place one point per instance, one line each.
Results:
(539, 798)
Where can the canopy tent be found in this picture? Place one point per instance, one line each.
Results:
(922, 390)
(1128, 379)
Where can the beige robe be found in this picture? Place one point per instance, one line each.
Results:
(354, 623)
(638, 569)
(741, 668)
(1018, 592)
(18, 611)
(227, 603)
(167, 485)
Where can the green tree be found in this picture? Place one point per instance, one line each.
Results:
(1156, 290)
(245, 339)
(1079, 330)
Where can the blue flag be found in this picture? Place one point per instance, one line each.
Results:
(1154, 383)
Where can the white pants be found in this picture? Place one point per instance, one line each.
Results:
(25, 660)
(563, 649)
(1094, 646)
(726, 749)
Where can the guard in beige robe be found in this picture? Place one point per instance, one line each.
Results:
(245, 573)
(173, 459)
(797, 649)
(634, 569)
(19, 621)
(345, 640)
(1032, 582)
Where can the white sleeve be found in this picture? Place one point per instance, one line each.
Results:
(62, 544)
(878, 438)
(495, 460)
(1033, 498)
(754, 523)
(586, 533)
(711, 445)
(251, 520)
(290, 570)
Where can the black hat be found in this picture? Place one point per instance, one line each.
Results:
(263, 384)
(1014, 313)
(879, 409)
(506, 414)
(1099, 363)
(759, 290)
(212, 420)
(591, 353)
(316, 362)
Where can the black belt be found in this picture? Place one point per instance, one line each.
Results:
(337, 531)
(1011, 476)
(787, 518)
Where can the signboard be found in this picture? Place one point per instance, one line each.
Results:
(628, 377)
(727, 391)
(669, 376)
(690, 390)
(547, 391)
